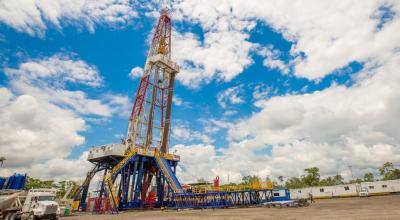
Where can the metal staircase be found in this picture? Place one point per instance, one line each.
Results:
(168, 174)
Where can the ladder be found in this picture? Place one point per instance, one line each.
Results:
(168, 174)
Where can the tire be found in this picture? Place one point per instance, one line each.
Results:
(8, 216)
(14, 216)
(31, 217)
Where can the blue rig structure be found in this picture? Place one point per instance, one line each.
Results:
(144, 164)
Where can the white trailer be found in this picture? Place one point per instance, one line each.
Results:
(32, 205)
(347, 190)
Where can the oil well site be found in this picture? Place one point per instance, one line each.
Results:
(285, 158)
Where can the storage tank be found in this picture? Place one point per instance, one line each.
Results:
(2, 182)
(16, 181)
(20, 180)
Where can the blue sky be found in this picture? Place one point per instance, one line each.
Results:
(255, 84)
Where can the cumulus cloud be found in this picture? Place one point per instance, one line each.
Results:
(323, 36)
(60, 68)
(33, 130)
(41, 120)
(197, 161)
(34, 17)
(136, 72)
(222, 55)
(231, 96)
(178, 101)
(183, 133)
(330, 128)
(261, 91)
(46, 78)
(272, 59)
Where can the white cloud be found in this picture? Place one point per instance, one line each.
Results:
(47, 78)
(33, 17)
(330, 35)
(326, 36)
(197, 161)
(182, 132)
(119, 104)
(41, 120)
(178, 101)
(231, 96)
(61, 168)
(211, 126)
(33, 130)
(60, 68)
(261, 91)
(222, 55)
(228, 113)
(331, 129)
(272, 59)
(136, 72)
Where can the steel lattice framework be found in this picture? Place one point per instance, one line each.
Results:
(146, 155)
(149, 123)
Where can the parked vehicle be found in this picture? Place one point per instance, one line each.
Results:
(32, 205)
(363, 192)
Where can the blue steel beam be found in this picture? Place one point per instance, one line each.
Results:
(138, 187)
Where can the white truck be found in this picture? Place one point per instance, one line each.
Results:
(363, 192)
(32, 205)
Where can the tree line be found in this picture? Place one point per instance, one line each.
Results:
(62, 186)
(312, 177)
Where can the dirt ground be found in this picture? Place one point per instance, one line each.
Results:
(378, 207)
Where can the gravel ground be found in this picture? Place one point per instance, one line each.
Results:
(378, 207)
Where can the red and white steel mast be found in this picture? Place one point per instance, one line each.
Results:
(149, 123)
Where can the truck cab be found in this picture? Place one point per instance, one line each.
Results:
(363, 192)
(40, 204)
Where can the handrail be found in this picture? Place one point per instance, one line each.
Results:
(166, 172)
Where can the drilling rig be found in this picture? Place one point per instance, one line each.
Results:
(142, 159)
(146, 156)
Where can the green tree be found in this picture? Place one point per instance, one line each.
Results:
(64, 186)
(294, 183)
(312, 178)
(326, 182)
(2, 159)
(201, 180)
(389, 172)
(338, 179)
(280, 178)
(32, 183)
(250, 179)
(358, 180)
(369, 177)
(331, 180)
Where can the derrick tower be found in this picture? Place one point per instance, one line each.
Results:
(126, 184)
(149, 123)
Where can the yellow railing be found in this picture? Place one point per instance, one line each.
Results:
(254, 186)
(166, 173)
